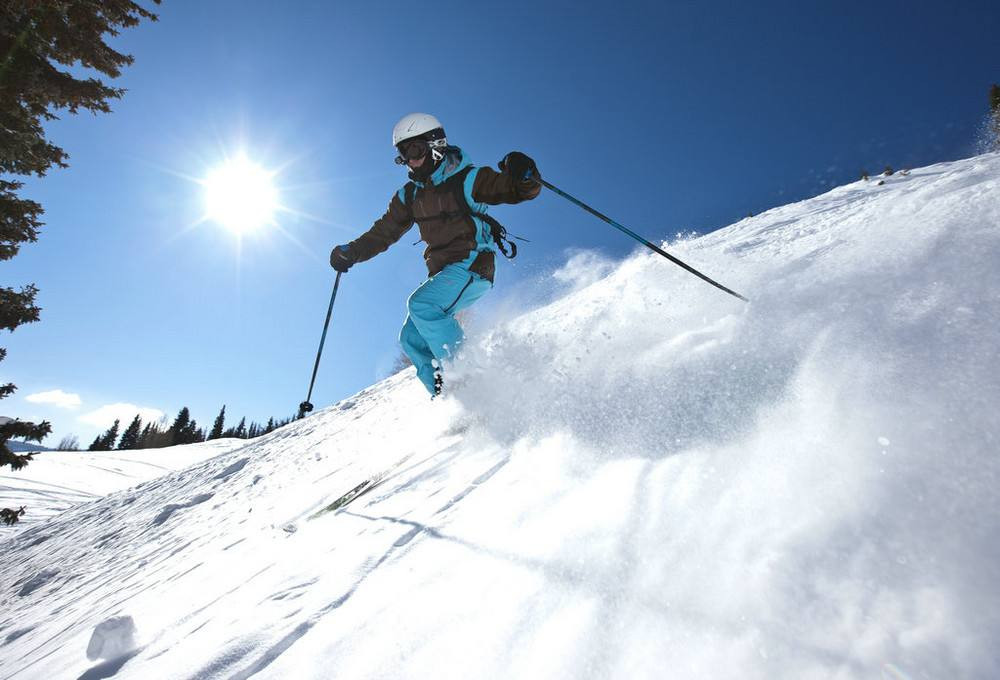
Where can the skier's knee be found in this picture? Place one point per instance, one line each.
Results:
(420, 308)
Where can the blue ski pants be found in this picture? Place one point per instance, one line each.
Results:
(431, 334)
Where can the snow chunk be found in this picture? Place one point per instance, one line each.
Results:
(883, 441)
(112, 638)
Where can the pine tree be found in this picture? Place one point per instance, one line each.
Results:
(18, 428)
(153, 437)
(111, 436)
(36, 40)
(106, 441)
(190, 434)
(178, 429)
(130, 438)
(220, 420)
(270, 425)
(241, 430)
(145, 436)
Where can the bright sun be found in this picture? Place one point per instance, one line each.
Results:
(240, 195)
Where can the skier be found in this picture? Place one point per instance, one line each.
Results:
(446, 197)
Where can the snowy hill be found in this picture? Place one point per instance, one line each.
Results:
(57, 480)
(644, 479)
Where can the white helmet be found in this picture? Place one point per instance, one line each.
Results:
(414, 125)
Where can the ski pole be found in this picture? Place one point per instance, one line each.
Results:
(305, 407)
(640, 239)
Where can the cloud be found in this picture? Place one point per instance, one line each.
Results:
(107, 414)
(56, 398)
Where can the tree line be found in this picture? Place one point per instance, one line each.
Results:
(184, 430)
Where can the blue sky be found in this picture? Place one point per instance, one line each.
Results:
(669, 117)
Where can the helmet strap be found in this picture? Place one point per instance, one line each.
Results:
(438, 147)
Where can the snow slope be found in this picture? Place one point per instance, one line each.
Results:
(643, 479)
(57, 480)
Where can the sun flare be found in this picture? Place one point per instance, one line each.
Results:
(240, 195)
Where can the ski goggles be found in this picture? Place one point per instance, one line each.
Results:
(413, 149)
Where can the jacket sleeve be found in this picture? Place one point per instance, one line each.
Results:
(387, 229)
(498, 187)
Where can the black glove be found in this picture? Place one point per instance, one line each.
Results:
(520, 167)
(341, 259)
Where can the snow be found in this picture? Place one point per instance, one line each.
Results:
(112, 639)
(645, 478)
(56, 480)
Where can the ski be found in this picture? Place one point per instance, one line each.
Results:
(358, 491)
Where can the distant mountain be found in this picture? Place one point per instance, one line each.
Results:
(21, 447)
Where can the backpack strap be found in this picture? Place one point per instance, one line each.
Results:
(497, 231)
(499, 234)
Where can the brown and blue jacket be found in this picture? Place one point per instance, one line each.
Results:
(450, 211)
